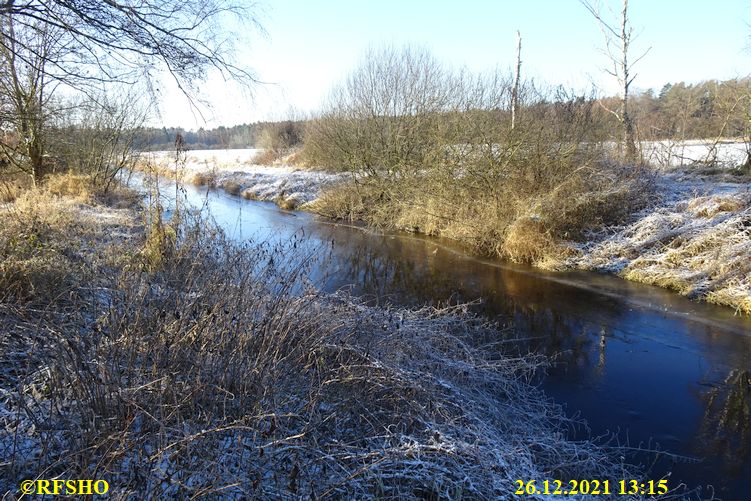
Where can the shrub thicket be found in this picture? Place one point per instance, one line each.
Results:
(433, 150)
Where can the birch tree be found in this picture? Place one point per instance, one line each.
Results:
(618, 37)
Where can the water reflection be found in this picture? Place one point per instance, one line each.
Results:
(630, 358)
(726, 424)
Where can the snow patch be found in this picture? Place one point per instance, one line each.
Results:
(234, 171)
(667, 153)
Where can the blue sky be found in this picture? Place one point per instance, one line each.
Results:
(311, 45)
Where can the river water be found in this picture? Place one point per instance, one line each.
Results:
(645, 368)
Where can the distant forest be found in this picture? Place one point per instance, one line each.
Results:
(679, 111)
(238, 136)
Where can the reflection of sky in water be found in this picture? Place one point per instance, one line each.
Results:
(631, 358)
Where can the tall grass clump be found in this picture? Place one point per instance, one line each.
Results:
(12, 186)
(433, 150)
(224, 373)
(44, 234)
(34, 266)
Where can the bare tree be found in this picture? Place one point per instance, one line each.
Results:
(97, 136)
(383, 118)
(25, 89)
(618, 38)
(87, 44)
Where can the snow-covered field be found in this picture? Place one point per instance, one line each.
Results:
(235, 171)
(204, 159)
(677, 153)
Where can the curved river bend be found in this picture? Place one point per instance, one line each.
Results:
(659, 370)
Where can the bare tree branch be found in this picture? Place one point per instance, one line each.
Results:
(123, 39)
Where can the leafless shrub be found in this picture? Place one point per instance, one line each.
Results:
(96, 136)
(278, 140)
(382, 119)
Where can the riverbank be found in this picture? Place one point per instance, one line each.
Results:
(691, 234)
(236, 172)
(694, 239)
(172, 363)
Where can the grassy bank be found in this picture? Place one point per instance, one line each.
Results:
(694, 239)
(433, 150)
(239, 173)
(678, 231)
(683, 229)
(516, 217)
(172, 363)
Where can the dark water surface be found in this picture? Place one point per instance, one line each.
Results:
(659, 370)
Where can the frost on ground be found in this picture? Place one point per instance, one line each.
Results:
(222, 374)
(235, 172)
(696, 240)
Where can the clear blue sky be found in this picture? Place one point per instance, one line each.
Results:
(310, 45)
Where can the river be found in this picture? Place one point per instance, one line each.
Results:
(645, 368)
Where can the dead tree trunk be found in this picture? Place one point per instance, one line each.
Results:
(517, 78)
(629, 134)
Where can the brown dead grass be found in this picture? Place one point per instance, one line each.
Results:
(701, 251)
(297, 158)
(513, 218)
(345, 202)
(11, 187)
(249, 194)
(287, 203)
(201, 179)
(735, 293)
(710, 206)
(42, 235)
(266, 157)
(221, 363)
(85, 189)
(76, 186)
(527, 241)
(231, 187)
(32, 268)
